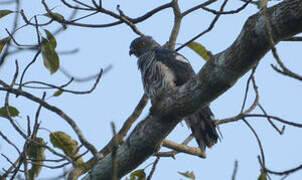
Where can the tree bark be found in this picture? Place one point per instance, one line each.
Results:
(217, 76)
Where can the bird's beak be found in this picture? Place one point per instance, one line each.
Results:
(131, 51)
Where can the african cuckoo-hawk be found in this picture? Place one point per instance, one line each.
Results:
(163, 69)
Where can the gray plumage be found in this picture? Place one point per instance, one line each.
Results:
(162, 70)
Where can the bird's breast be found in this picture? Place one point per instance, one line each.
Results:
(168, 76)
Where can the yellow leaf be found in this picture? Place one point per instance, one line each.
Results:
(5, 12)
(3, 42)
(138, 175)
(36, 153)
(58, 93)
(200, 50)
(262, 176)
(58, 16)
(188, 174)
(51, 39)
(12, 111)
(64, 142)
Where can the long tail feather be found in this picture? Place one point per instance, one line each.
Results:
(203, 128)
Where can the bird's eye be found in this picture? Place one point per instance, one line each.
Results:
(142, 44)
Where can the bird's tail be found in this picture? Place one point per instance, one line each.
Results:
(203, 128)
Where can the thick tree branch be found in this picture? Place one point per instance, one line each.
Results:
(217, 76)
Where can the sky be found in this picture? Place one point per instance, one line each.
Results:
(120, 89)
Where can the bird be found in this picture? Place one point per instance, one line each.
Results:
(162, 70)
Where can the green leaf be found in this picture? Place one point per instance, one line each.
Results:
(51, 39)
(188, 174)
(200, 50)
(12, 111)
(36, 152)
(3, 42)
(58, 16)
(5, 12)
(138, 175)
(58, 93)
(50, 57)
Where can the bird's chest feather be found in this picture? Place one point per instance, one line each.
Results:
(168, 76)
(157, 77)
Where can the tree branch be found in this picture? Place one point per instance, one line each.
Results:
(216, 77)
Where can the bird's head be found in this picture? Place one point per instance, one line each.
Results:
(141, 45)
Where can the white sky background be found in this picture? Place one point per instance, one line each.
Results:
(120, 89)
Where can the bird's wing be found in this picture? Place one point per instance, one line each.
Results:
(177, 63)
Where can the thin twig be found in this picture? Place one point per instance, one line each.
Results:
(83, 4)
(85, 79)
(227, 12)
(246, 112)
(235, 170)
(204, 4)
(61, 88)
(76, 7)
(258, 140)
(101, 9)
(55, 110)
(247, 89)
(10, 142)
(286, 172)
(275, 118)
(14, 27)
(211, 26)
(27, 67)
(153, 168)
(271, 122)
(128, 21)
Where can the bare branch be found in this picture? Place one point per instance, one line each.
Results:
(286, 172)
(10, 142)
(14, 27)
(153, 168)
(235, 170)
(205, 31)
(275, 118)
(81, 79)
(270, 121)
(173, 153)
(27, 67)
(258, 141)
(227, 12)
(177, 21)
(183, 148)
(128, 21)
(76, 7)
(101, 9)
(204, 4)
(55, 110)
(243, 113)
